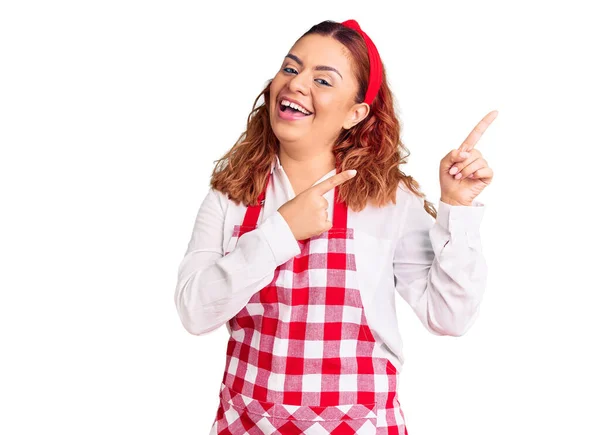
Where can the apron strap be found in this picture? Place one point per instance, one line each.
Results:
(340, 212)
(253, 211)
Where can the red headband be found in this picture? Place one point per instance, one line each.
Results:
(375, 66)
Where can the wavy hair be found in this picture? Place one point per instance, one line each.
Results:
(373, 145)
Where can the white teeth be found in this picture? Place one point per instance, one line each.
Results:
(295, 106)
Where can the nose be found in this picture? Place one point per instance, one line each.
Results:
(298, 83)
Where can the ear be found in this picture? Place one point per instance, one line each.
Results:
(357, 113)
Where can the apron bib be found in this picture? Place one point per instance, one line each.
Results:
(301, 358)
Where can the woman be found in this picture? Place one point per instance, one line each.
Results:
(306, 233)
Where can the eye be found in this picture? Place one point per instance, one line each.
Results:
(291, 70)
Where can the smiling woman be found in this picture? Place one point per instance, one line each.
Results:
(309, 230)
(326, 73)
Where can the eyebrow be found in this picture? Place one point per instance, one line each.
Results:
(318, 67)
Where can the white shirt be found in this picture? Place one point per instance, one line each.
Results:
(437, 267)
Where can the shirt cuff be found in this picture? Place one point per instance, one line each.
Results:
(463, 218)
(280, 238)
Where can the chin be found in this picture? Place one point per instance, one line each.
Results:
(285, 133)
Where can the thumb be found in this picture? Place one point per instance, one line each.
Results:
(455, 156)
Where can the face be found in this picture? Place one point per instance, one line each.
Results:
(317, 78)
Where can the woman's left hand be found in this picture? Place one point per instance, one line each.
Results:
(464, 173)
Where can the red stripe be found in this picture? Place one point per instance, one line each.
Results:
(340, 211)
(253, 211)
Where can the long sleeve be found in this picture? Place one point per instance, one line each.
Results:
(439, 267)
(213, 287)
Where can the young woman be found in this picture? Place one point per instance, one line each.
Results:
(307, 232)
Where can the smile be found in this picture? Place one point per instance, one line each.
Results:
(290, 111)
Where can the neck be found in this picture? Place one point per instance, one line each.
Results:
(304, 167)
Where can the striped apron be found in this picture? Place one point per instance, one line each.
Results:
(301, 358)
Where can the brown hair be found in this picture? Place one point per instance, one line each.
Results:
(373, 145)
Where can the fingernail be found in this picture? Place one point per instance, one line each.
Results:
(457, 176)
(464, 154)
(352, 172)
(453, 170)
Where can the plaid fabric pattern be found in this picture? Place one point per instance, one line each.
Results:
(301, 357)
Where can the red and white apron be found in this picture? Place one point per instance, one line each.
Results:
(301, 358)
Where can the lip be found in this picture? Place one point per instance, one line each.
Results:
(288, 115)
(291, 100)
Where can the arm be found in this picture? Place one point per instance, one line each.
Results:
(439, 267)
(213, 288)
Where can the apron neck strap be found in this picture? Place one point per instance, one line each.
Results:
(340, 211)
(253, 211)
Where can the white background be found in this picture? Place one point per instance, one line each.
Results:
(112, 114)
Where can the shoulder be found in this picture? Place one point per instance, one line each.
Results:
(224, 203)
(410, 210)
(383, 222)
(218, 197)
(407, 200)
(214, 202)
(404, 194)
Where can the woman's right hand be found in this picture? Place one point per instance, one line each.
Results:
(306, 214)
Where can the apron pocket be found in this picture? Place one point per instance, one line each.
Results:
(352, 418)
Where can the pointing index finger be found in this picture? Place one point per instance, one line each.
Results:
(335, 180)
(478, 131)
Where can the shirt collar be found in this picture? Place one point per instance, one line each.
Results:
(276, 163)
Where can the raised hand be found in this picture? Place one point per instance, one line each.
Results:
(306, 214)
(464, 173)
